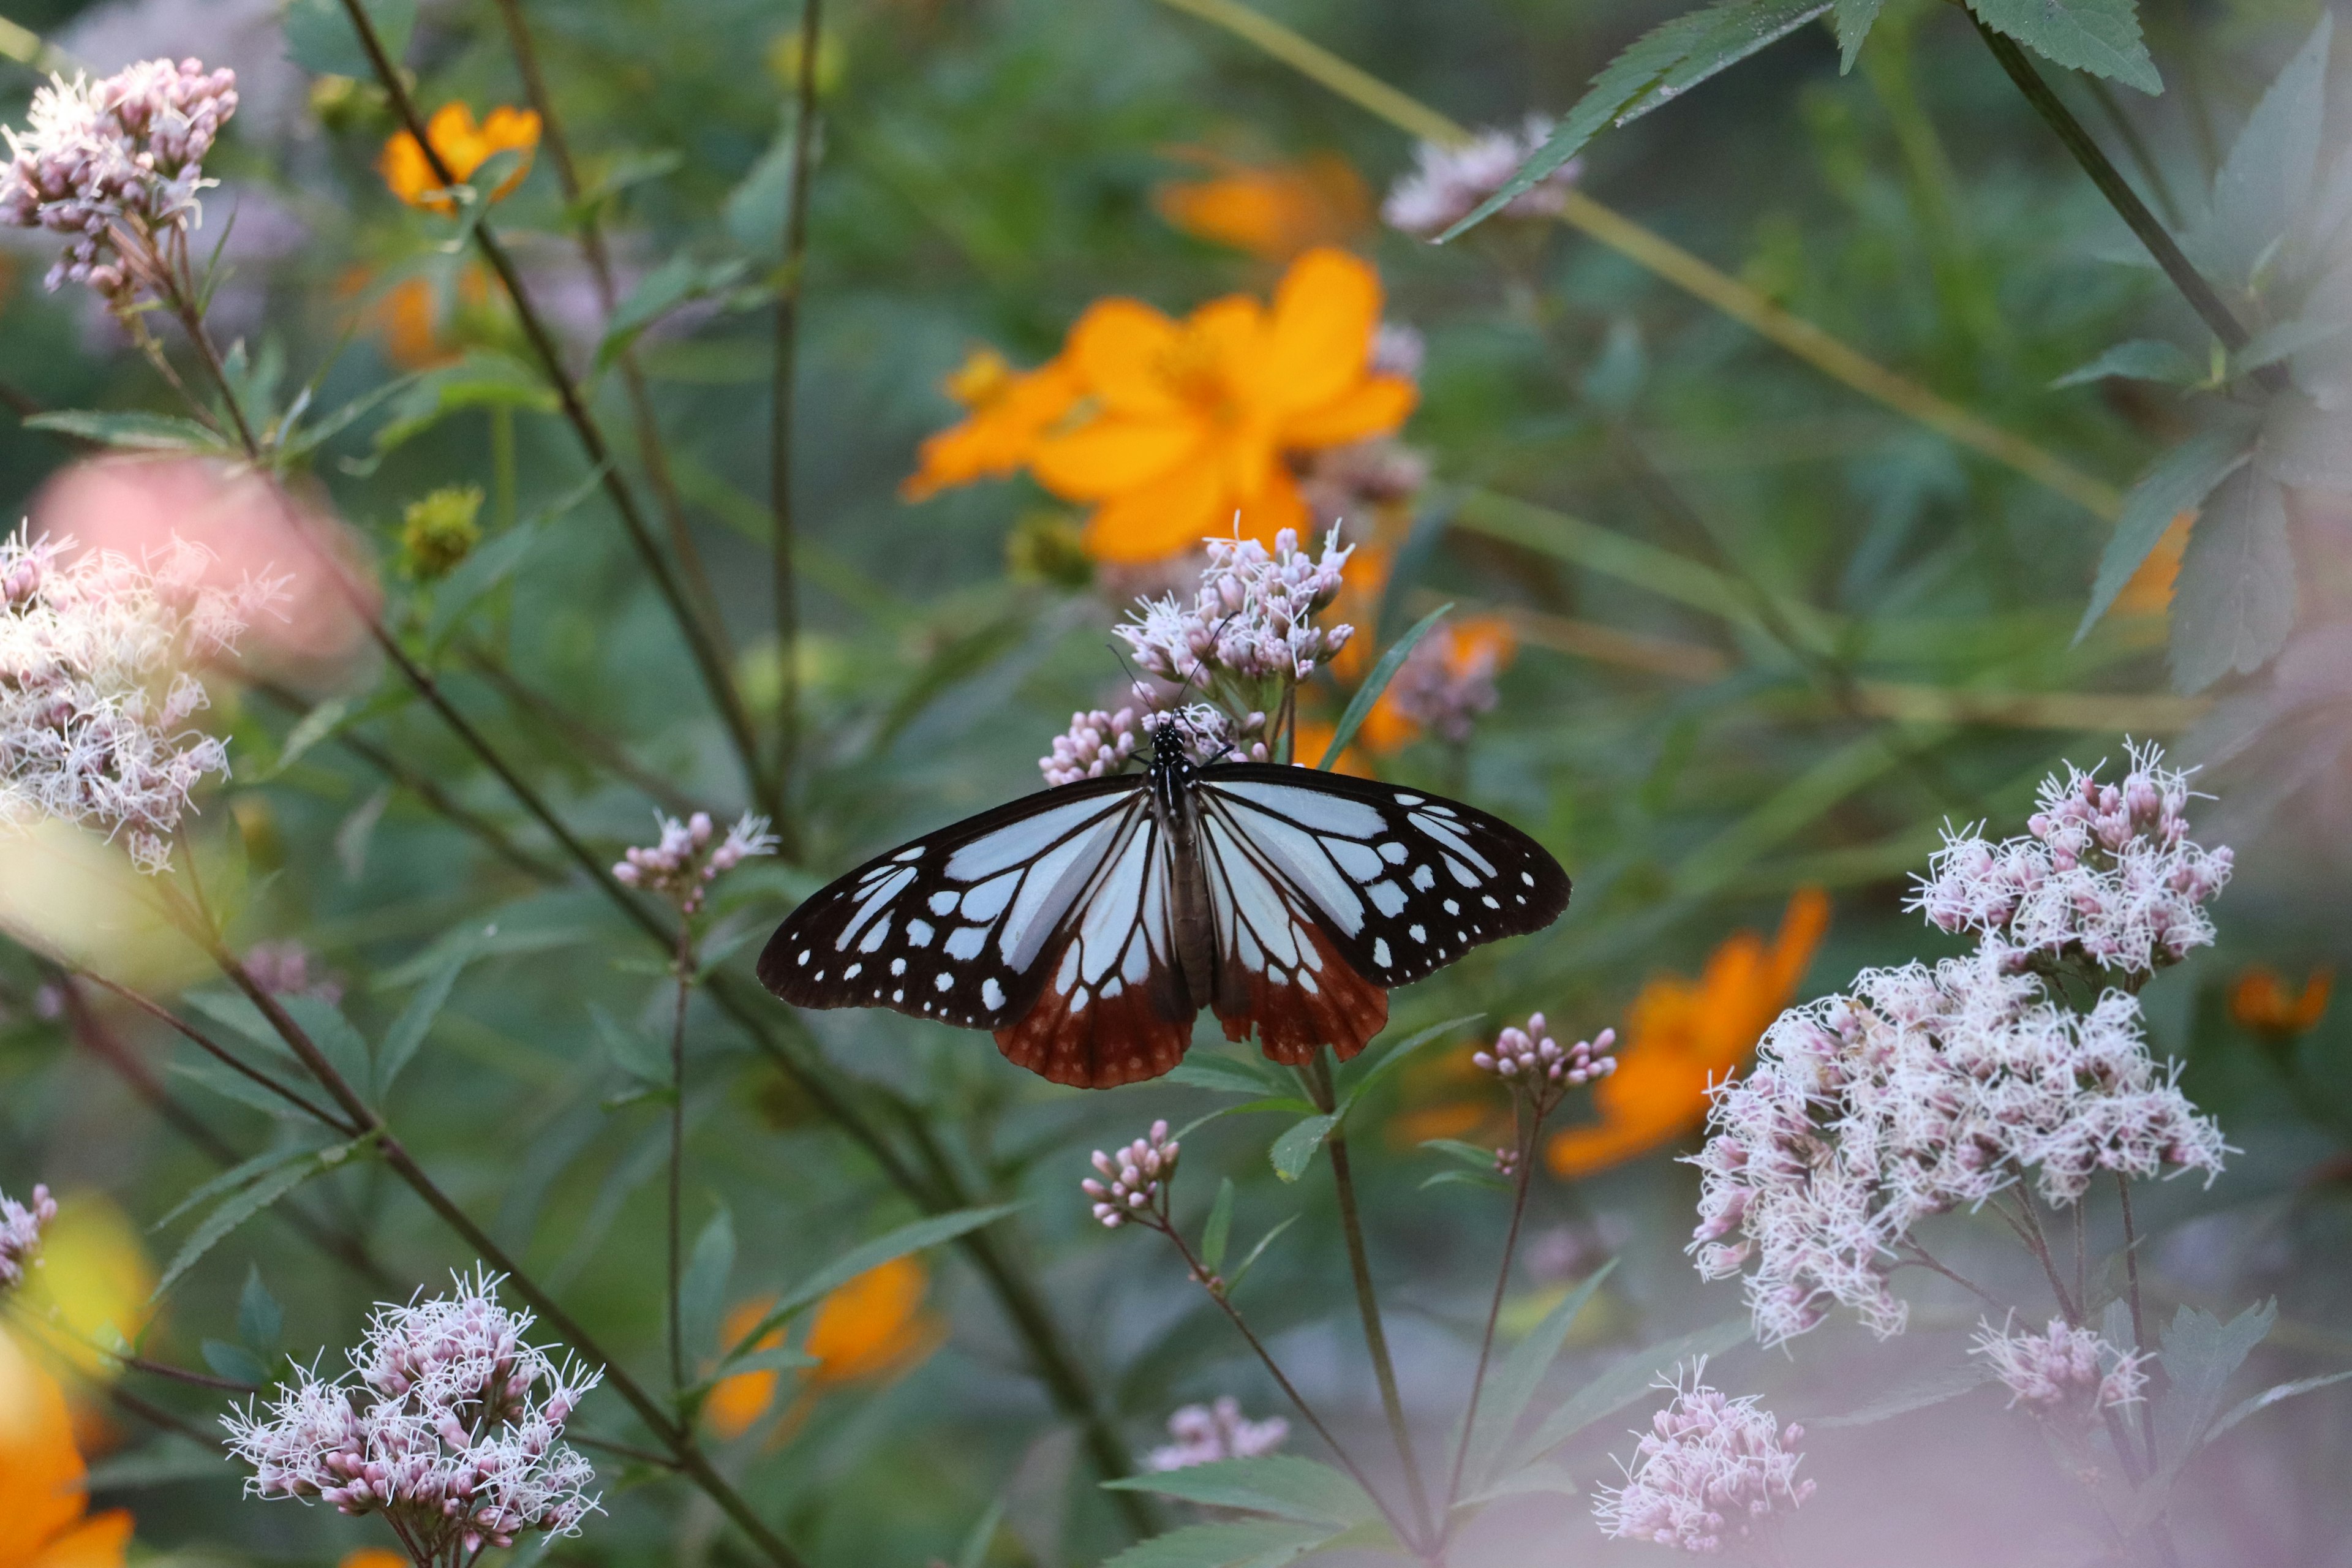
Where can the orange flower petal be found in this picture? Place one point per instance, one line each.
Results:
(40, 1470)
(95, 1542)
(1373, 406)
(1119, 349)
(1276, 505)
(1173, 514)
(1111, 457)
(1326, 311)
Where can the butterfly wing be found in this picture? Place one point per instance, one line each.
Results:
(1114, 1007)
(1328, 891)
(955, 926)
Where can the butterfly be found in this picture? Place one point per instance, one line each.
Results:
(1090, 923)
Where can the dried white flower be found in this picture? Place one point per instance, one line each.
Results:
(1205, 1433)
(450, 1426)
(20, 1232)
(681, 866)
(97, 685)
(2063, 1370)
(1137, 1180)
(1448, 183)
(1709, 1467)
(1096, 745)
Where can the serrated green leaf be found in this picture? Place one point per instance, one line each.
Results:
(131, 430)
(2265, 183)
(906, 1238)
(479, 381)
(2233, 602)
(1359, 707)
(1295, 1149)
(234, 1361)
(1224, 1075)
(260, 1320)
(238, 1208)
(1220, 1227)
(2101, 37)
(1284, 1485)
(312, 728)
(2200, 1354)
(1534, 1479)
(660, 291)
(2178, 482)
(406, 1035)
(2276, 1393)
(2140, 359)
(345, 1049)
(1241, 1543)
(1510, 1387)
(629, 169)
(1853, 19)
(239, 1175)
(702, 1292)
(1935, 1388)
(1358, 1077)
(320, 37)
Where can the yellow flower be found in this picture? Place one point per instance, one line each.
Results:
(2259, 1002)
(42, 1501)
(1190, 423)
(1010, 411)
(1680, 1037)
(463, 147)
(1274, 212)
(870, 1329)
(373, 1557)
(94, 1282)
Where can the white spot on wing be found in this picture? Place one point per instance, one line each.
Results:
(872, 901)
(1386, 895)
(1045, 892)
(983, 902)
(876, 937)
(1419, 933)
(1424, 877)
(944, 902)
(992, 994)
(1450, 834)
(1360, 861)
(919, 932)
(1394, 853)
(944, 981)
(911, 852)
(1381, 951)
(1018, 841)
(1301, 856)
(1308, 807)
(964, 942)
(1462, 874)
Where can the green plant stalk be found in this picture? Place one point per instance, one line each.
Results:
(1317, 1074)
(685, 962)
(785, 584)
(2135, 145)
(1527, 1131)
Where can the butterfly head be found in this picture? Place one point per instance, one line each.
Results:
(1191, 737)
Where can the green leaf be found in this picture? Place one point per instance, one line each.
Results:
(1284, 1485)
(2101, 37)
(234, 1361)
(1511, 1386)
(882, 1250)
(702, 1292)
(629, 169)
(345, 1049)
(660, 291)
(2273, 1394)
(1935, 1388)
(1470, 1154)
(406, 1035)
(2265, 185)
(1622, 1385)
(1537, 1478)
(313, 727)
(1233, 1283)
(238, 1175)
(1220, 1227)
(631, 1051)
(132, 430)
(211, 1075)
(974, 1554)
(1226, 1075)
(240, 1207)
(1853, 19)
(2233, 602)
(1662, 64)
(755, 210)
(1362, 1074)
(170, 1461)
(1243, 1543)
(1295, 1149)
(2284, 339)
(320, 37)
(2140, 359)
(260, 1320)
(478, 576)
(1361, 705)
(1486, 1178)
(2180, 482)
(479, 381)
(2200, 1354)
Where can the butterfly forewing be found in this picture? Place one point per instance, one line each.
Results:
(954, 926)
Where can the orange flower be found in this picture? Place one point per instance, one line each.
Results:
(463, 147)
(1313, 738)
(2259, 1002)
(1192, 420)
(373, 1557)
(2148, 591)
(873, 1326)
(1474, 648)
(42, 1501)
(1680, 1037)
(1010, 409)
(1275, 212)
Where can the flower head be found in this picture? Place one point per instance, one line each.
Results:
(463, 147)
(2105, 871)
(1251, 623)
(1446, 683)
(683, 864)
(2062, 1372)
(1205, 1433)
(97, 657)
(20, 1232)
(1708, 1469)
(1009, 410)
(116, 164)
(1096, 745)
(449, 1425)
(1537, 1066)
(1274, 212)
(1448, 183)
(1188, 425)
(44, 1490)
(1135, 1185)
(439, 530)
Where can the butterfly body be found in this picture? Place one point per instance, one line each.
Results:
(1089, 924)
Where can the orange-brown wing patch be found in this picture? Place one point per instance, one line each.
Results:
(1096, 1041)
(1322, 1002)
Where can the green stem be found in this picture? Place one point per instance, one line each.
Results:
(1526, 1173)
(503, 464)
(685, 961)
(785, 584)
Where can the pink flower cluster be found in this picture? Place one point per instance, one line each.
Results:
(2105, 870)
(285, 969)
(1708, 1467)
(97, 685)
(452, 1429)
(1137, 1180)
(1923, 1090)
(116, 164)
(1206, 734)
(2064, 1371)
(1447, 184)
(20, 1232)
(1341, 482)
(1252, 618)
(1536, 1064)
(1096, 745)
(1445, 691)
(1205, 1433)
(684, 863)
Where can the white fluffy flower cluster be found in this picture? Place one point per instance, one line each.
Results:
(1923, 1090)
(97, 685)
(684, 863)
(1096, 744)
(116, 164)
(1252, 618)
(1137, 1180)
(452, 1429)
(1205, 1433)
(1708, 1466)
(2105, 870)
(2064, 1371)
(20, 1232)
(1447, 184)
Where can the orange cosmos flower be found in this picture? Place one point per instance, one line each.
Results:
(1010, 409)
(1680, 1037)
(373, 1557)
(1275, 212)
(1442, 682)
(463, 147)
(874, 1327)
(1192, 421)
(2148, 590)
(2261, 1002)
(42, 1501)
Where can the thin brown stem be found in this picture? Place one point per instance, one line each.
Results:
(1525, 1145)
(1920, 1257)
(789, 288)
(574, 730)
(685, 961)
(217, 1051)
(2138, 1321)
(2028, 1226)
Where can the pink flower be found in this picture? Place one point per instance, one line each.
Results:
(20, 1232)
(1135, 1181)
(1252, 618)
(1205, 1433)
(1709, 1467)
(1538, 1066)
(2061, 1370)
(682, 864)
(1096, 745)
(1448, 183)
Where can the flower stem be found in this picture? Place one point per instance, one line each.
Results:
(1526, 1149)
(2139, 1323)
(789, 286)
(1317, 1074)
(685, 961)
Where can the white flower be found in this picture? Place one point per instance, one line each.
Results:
(1096, 745)
(1205, 1433)
(1252, 618)
(2063, 1371)
(1204, 734)
(97, 685)
(683, 863)
(450, 1427)
(1708, 1467)
(1447, 184)
(20, 1232)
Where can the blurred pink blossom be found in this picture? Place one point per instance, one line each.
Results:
(1709, 1467)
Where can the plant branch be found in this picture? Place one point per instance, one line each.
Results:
(1526, 1133)
(790, 285)
(685, 961)
(219, 1052)
(2139, 1323)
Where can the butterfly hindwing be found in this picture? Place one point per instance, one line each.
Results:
(953, 926)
